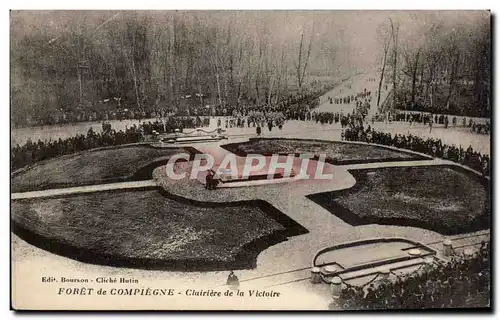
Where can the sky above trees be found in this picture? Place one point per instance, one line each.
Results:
(353, 33)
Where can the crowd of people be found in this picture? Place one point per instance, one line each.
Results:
(255, 119)
(335, 117)
(308, 99)
(360, 98)
(463, 282)
(427, 118)
(295, 107)
(31, 152)
(113, 109)
(170, 124)
(272, 115)
(356, 130)
(431, 146)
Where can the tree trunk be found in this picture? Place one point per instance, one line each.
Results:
(299, 80)
(414, 77)
(453, 72)
(381, 77)
(395, 40)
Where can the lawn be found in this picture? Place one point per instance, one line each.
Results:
(338, 153)
(148, 229)
(445, 199)
(123, 163)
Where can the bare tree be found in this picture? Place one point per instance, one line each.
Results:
(214, 60)
(258, 72)
(128, 49)
(385, 38)
(433, 59)
(411, 67)
(281, 75)
(241, 71)
(395, 34)
(453, 58)
(301, 69)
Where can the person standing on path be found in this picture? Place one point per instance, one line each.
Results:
(232, 281)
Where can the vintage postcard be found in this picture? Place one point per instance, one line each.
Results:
(250, 160)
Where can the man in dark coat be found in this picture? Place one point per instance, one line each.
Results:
(210, 181)
(232, 280)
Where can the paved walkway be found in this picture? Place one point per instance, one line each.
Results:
(375, 165)
(324, 228)
(358, 84)
(83, 189)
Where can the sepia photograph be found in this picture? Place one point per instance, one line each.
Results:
(250, 160)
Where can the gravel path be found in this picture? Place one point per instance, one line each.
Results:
(83, 189)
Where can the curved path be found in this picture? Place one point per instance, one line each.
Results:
(284, 264)
(83, 189)
(290, 198)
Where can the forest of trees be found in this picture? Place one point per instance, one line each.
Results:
(70, 61)
(154, 59)
(436, 66)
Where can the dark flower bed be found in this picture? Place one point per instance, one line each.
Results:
(338, 153)
(114, 164)
(445, 199)
(148, 229)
